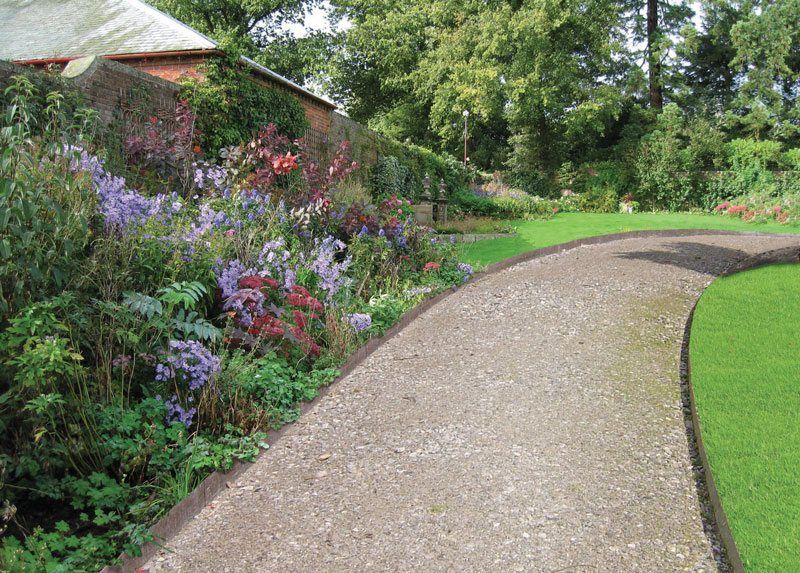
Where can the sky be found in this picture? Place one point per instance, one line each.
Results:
(316, 19)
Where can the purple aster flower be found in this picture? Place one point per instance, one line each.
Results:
(359, 321)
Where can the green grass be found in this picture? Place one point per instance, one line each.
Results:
(745, 357)
(566, 227)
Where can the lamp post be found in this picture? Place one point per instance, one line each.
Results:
(466, 115)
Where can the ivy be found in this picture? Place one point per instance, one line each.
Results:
(231, 106)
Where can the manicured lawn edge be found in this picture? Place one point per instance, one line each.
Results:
(779, 256)
(212, 485)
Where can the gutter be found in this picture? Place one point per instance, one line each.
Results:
(131, 56)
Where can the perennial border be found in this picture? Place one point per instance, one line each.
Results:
(212, 485)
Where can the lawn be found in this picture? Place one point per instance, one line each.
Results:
(745, 359)
(566, 227)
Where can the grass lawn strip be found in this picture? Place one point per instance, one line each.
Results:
(565, 227)
(746, 376)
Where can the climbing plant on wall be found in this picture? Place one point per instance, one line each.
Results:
(230, 106)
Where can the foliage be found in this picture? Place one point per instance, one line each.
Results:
(599, 200)
(149, 336)
(44, 209)
(231, 106)
(389, 177)
(242, 25)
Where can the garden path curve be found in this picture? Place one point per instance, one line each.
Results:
(532, 421)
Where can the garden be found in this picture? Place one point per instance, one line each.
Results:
(161, 310)
(171, 293)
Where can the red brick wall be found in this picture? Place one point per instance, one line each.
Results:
(174, 68)
(112, 88)
(171, 69)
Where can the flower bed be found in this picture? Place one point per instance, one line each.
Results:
(151, 335)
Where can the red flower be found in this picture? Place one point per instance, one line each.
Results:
(283, 164)
(305, 340)
(431, 266)
(257, 282)
(301, 290)
(301, 297)
(299, 318)
(267, 326)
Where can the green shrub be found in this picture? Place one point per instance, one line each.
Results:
(791, 159)
(599, 200)
(420, 161)
(748, 154)
(533, 182)
(45, 210)
(389, 177)
(38, 106)
(230, 106)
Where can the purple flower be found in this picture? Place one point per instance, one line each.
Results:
(466, 269)
(228, 277)
(359, 321)
(417, 291)
(177, 413)
(123, 209)
(188, 362)
(330, 271)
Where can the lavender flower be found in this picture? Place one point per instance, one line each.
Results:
(228, 277)
(189, 362)
(359, 321)
(327, 268)
(177, 413)
(123, 209)
(466, 269)
(417, 291)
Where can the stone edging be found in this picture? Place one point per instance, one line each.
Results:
(786, 255)
(471, 237)
(212, 485)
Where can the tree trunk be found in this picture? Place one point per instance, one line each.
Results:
(653, 57)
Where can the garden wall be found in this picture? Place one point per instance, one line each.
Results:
(119, 92)
(122, 95)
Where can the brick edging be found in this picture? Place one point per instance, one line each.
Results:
(212, 485)
(734, 559)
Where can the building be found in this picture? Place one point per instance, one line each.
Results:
(131, 32)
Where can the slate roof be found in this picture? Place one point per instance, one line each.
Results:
(69, 29)
(45, 29)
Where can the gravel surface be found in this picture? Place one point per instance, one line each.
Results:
(532, 421)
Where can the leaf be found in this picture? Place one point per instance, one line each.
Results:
(142, 304)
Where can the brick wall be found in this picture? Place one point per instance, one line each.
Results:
(171, 69)
(116, 90)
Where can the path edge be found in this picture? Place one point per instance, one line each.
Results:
(185, 510)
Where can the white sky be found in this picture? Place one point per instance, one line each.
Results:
(316, 19)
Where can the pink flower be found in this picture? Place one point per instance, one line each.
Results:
(431, 266)
(230, 232)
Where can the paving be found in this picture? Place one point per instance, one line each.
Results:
(532, 421)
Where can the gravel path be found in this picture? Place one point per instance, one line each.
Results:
(532, 421)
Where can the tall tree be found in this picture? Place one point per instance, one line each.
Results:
(655, 90)
(767, 44)
(247, 25)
